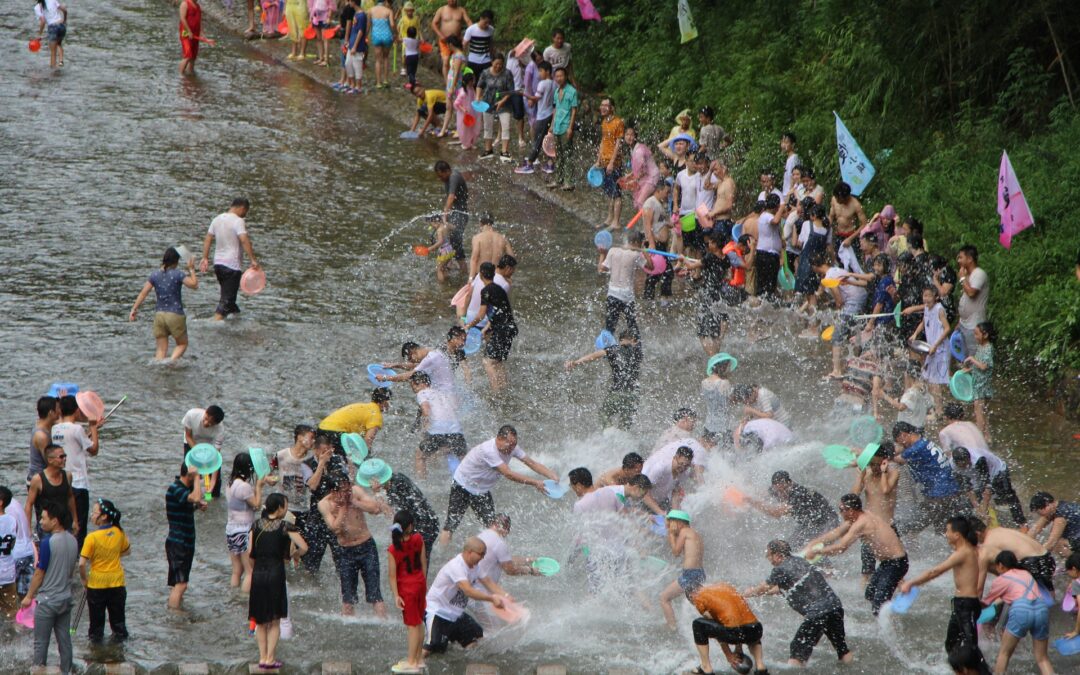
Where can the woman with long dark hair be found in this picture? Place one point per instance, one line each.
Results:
(104, 581)
(407, 563)
(1027, 614)
(169, 319)
(243, 496)
(273, 541)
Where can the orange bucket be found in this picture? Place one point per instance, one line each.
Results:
(309, 33)
(35, 45)
(283, 27)
(425, 47)
(468, 120)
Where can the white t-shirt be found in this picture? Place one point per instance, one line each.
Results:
(73, 439)
(610, 499)
(761, 195)
(622, 262)
(688, 191)
(849, 260)
(557, 57)
(917, 402)
(658, 469)
(654, 215)
(213, 434)
(771, 432)
(667, 452)
(477, 472)
(545, 106)
(474, 298)
(972, 311)
(854, 297)
(707, 193)
(804, 233)
(498, 552)
(789, 166)
(241, 515)
(477, 43)
(52, 13)
(961, 434)
(24, 542)
(412, 46)
(768, 233)
(445, 598)
(443, 419)
(769, 402)
(437, 366)
(294, 477)
(8, 537)
(227, 229)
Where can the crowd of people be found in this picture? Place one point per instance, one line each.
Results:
(867, 285)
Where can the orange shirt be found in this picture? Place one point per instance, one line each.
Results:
(610, 133)
(725, 605)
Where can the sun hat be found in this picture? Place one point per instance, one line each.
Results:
(720, 358)
(675, 514)
(373, 470)
(685, 112)
(408, 5)
(685, 137)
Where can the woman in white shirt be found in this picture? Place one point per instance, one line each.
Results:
(243, 496)
(51, 14)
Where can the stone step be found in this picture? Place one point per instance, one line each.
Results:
(481, 669)
(45, 670)
(336, 668)
(193, 669)
(120, 669)
(625, 671)
(254, 669)
(551, 669)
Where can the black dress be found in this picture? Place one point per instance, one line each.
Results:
(269, 549)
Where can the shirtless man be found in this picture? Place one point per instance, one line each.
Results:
(877, 482)
(685, 541)
(343, 510)
(725, 192)
(449, 20)
(964, 562)
(487, 245)
(48, 410)
(844, 210)
(883, 541)
(631, 466)
(1032, 555)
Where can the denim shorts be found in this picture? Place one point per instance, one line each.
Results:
(56, 32)
(360, 561)
(1029, 615)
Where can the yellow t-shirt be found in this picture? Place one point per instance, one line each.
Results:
(103, 549)
(725, 605)
(405, 23)
(355, 418)
(611, 131)
(431, 97)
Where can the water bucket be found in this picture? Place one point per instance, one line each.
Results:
(902, 602)
(827, 334)
(473, 340)
(480, 106)
(459, 298)
(734, 496)
(865, 429)
(283, 27)
(310, 33)
(372, 471)
(920, 346)
(425, 47)
(260, 462)
(253, 281)
(866, 455)
(658, 526)
(603, 240)
(595, 176)
(421, 251)
(34, 46)
(58, 389)
(988, 614)
(204, 458)
(605, 339)
(328, 34)
(702, 212)
(957, 347)
(659, 265)
(469, 120)
(838, 456)
(408, 135)
(720, 358)
(25, 616)
(785, 278)
(510, 612)
(355, 447)
(830, 283)
(553, 489)
(184, 252)
(374, 369)
(546, 566)
(1068, 647)
(548, 145)
(962, 386)
(90, 404)
(736, 232)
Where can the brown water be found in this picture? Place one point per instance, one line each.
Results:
(112, 159)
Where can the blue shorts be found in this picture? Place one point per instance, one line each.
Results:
(356, 563)
(1029, 616)
(611, 185)
(56, 32)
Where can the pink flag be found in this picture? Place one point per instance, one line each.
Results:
(588, 12)
(1012, 206)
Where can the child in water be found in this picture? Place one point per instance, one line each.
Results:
(444, 250)
(407, 568)
(981, 367)
(935, 326)
(462, 104)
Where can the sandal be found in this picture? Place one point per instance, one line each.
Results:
(276, 665)
(699, 671)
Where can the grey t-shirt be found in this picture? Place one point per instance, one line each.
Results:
(456, 186)
(58, 556)
(804, 586)
(973, 310)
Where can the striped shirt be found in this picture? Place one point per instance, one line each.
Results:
(181, 514)
(479, 42)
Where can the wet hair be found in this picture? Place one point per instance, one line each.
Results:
(720, 367)
(301, 429)
(381, 395)
(759, 207)
(851, 501)
(977, 524)
(685, 452)
(1040, 500)
(323, 438)
(506, 431)
(961, 526)
(558, 31)
(486, 218)
(708, 112)
(779, 477)
(961, 456)
(184, 469)
(407, 348)
(68, 405)
(742, 393)
(505, 261)
(752, 441)
(808, 205)
(411, 32)
(1007, 559)
(903, 428)
(886, 449)
(683, 413)
(611, 102)
(883, 260)
(403, 520)
(632, 459)
(487, 271)
(988, 328)
(455, 332)
(442, 166)
(627, 334)
(820, 211)
(59, 511)
(544, 65)
(640, 481)
(558, 70)
(109, 510)
(915, 241)
(5, 497)
(171, 258)
(842, 190)
(766, 171)
(807, 172)
(499, 520)
(772, 201)
(242, 468)
(468, 80)
(420, 377)
(454, 41)
(779, 547)
(790, 135)
(581, 476)
(274, 502)
(635, 237)
(487, 14)
(1073, 561)
(953, 411)
(216, 414)
(45, 405)
(971, 252)
(241, 202)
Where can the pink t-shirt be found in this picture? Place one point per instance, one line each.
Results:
(1012, 586)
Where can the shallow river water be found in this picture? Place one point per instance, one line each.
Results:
(115, 157)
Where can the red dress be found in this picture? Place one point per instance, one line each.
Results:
(411, 583)
(188, 43)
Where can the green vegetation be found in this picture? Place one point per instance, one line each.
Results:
(932, 90)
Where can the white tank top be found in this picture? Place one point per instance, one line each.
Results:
(768, 233)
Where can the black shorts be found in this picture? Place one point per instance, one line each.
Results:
(748, 634)
(694, 239)
(710, 322)
(458, 221)
(517, 106)
(440, 632)
(434, 442)
(884, 581)
(440, 109)
(497, 347)
(830, 625)
(180, 558)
